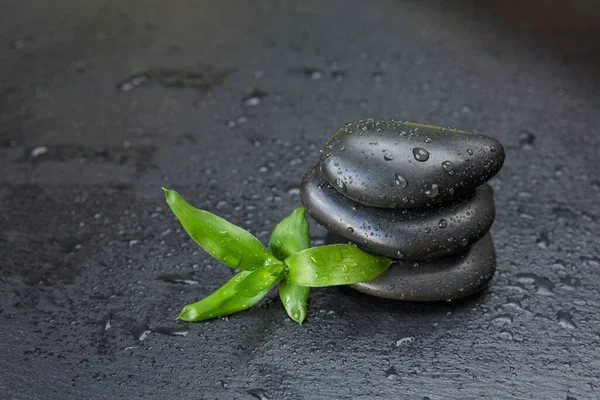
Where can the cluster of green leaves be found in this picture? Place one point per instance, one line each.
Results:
(292, 263)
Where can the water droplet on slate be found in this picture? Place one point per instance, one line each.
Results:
(18, 44)
(258, 393)
(140, 331)
(341, 185)
(106, 322)
(542, 284)
(391, 373)
(171, 330)
(420, 154)
(399, 254)
(565, 320)
(400, 181)
(173, 277)
(447, 165)
(254, 96)
(133, 81)
(433, 191)
(428, 139)
(526, 139)
(294, 191)
(405, 341)
(443, 223)
(38, 151)
(388, 157)
(350, 229)
(392, 287)
(470, 152)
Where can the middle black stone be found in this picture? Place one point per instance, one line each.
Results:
(418, 233)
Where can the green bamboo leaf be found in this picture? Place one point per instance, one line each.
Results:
(263, 278)
(336, 264)
(224, 301)
(295, 299)
(290, 235)
(224, 241)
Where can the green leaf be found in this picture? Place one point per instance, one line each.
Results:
(294, 298)
(224, 301)
(336, 264)
(290, 235)
(224, 241)
(261, 279)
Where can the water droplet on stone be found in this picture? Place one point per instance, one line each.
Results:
(433, 191)
(341, 185)
(443, 223)
(350, 229)
(400, 181)
(470, 152)
(447, 165)
(428, 139)
(420, 154)
(388, 157)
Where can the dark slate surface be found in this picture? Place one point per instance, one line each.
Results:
(86, 235)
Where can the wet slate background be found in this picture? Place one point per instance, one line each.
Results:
(86, 238)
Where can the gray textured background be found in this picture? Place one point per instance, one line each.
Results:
(86, 234)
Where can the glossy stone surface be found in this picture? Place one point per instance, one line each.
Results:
(400, 233)
(446, 278)
(400, 164)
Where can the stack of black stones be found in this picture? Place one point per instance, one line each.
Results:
(415, 193)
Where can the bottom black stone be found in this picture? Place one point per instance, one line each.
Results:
(446, 278)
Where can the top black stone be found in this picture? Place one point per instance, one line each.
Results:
(401, 164)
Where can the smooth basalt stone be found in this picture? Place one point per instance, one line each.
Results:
(400, 233)
(444, 278)
(394, 164)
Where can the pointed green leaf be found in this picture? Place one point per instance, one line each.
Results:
(226, 242)
(336, 264)
(295, 299)
(261, 279)
(290, 235)
(224, 301)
